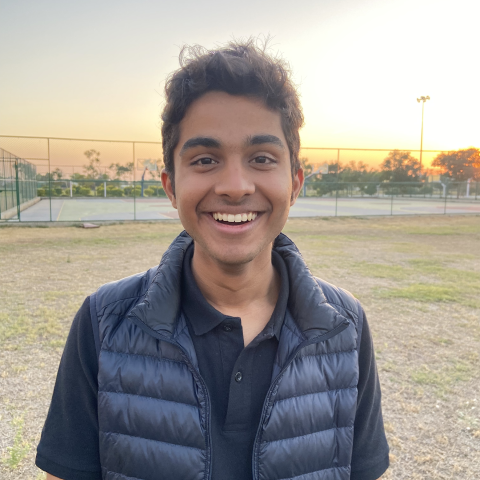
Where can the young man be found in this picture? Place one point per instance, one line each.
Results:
(229, 360)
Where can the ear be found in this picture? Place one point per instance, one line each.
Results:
(167, 187)
(297, 185)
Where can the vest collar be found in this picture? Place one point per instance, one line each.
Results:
(160, 308)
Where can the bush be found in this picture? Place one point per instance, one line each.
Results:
(370, 189)
(154, 191)
(55, 192)
(128, 191)
(81, 191)
(112, 191)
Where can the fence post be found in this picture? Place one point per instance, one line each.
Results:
(17, 189)
(336, 199)
(134, 185)
(446, 195)
(49, 179)
(71, 189)
(104, 189)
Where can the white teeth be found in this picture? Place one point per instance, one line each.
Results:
(239, 217)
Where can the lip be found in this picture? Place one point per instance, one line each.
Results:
(233, 228)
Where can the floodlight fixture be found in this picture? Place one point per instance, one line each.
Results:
(422, 99)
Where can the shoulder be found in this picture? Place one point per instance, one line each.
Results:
(120, 296)
(341, 299)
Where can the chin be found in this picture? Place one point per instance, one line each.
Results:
(233, 257)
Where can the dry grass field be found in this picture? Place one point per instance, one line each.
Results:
(417, 277)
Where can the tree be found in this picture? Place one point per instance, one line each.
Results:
(307, 167)
(119, 171)
(400, 166)
(92, 170)
(57, 174)
(77, 176)
(357, 172)
(459, 165)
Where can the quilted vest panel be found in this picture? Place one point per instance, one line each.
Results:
(151, 412)
(308, 430)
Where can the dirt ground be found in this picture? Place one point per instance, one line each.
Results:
(417, 277)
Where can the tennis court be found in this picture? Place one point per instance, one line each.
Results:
(108, 209)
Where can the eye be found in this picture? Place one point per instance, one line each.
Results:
(263, 160)
(205, 161)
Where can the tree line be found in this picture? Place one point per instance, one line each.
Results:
(402, 166)
(93, 170)
(398, 166)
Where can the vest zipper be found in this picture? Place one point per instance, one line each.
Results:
(274, 386)
(208, 427)
(198, 377)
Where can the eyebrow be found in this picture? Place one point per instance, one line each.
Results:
(208, 142)
(262, 139)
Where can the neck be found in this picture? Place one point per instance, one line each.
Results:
(237, 290)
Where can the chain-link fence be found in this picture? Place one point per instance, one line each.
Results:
(98, 180)
(18, 185)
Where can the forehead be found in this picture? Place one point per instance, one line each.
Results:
(231, 117)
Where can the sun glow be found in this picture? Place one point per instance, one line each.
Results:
(359, 66)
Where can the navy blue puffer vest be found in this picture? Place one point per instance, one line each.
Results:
(154, 407)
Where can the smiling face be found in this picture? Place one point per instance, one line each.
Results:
(233, 181)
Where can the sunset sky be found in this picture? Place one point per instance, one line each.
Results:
(96, 69)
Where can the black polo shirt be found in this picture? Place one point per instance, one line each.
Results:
(237, 379)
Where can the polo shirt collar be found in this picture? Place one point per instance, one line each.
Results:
(204, 318)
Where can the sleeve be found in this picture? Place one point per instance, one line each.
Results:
(69, 445)
(370, 448)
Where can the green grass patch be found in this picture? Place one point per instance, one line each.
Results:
(442, 341)
(18, 451)
(423, 292)
(380, 270)
(426, 265)
(444, 378)
(44, 323)
(53, 295)
(443, 230)
(409, 247)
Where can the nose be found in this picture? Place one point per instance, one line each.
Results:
(234, 181)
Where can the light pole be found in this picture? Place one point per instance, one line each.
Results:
(423, 100)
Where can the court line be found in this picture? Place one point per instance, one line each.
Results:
(60, 211)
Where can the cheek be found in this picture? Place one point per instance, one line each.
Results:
(190, 191)
(185, 204)
(280, 194)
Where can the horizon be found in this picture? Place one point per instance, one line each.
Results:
(97, 70)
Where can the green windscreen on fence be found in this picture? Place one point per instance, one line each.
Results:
(18, 183)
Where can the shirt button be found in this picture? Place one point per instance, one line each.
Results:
(238, 377)
(227, 328)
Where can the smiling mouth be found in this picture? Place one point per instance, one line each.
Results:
(239, 218)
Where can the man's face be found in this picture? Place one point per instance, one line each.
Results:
(232, 163)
